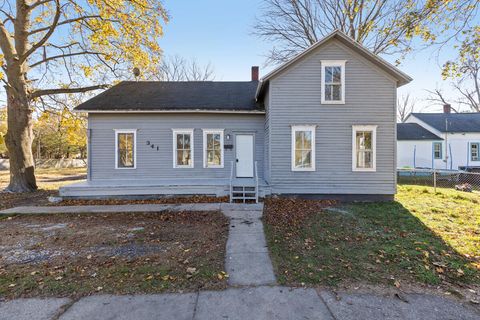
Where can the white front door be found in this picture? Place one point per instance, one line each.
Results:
(244, 155)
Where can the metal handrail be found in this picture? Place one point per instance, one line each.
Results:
(256, 183)
(232, 164)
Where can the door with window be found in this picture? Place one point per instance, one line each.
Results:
(244, 155)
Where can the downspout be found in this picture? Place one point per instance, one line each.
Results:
(414, 156)
(446, 144)
(89, 156)
(451, 157)
(433, 155)
(468, 153)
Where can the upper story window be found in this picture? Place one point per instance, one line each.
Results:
(474, 151)
(364, 151)
(125, 148)
(213, 148)
(303, 148)
(333, 81)
(437, 150)
(183, 148)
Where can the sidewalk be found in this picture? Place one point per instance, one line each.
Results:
(261, 302)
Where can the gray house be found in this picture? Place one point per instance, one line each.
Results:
(321, 125)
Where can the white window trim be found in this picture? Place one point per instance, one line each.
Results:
(333, 63)
(355, 129)
(441, 150)
(303, 128)
(213, 131)
(174, 144)
(118, 131)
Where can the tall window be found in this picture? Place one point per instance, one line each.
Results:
(303, 148)
(364, 148)
(183, 148)
(474, 150)
(125, 149)
(213, 148)
(333, 82)
(437, 150)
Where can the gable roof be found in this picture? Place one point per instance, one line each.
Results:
(401, 77)
(414, 131)
(451, 122)
(158, 96)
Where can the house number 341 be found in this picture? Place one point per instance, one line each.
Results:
(152, 145)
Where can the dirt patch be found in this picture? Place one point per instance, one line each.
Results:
(37, 198)
(119, 253)
(48, 181)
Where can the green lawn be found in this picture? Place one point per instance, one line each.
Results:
(422, 237)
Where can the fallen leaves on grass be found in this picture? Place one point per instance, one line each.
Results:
(290, 213)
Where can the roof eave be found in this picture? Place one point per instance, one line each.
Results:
(169, 111)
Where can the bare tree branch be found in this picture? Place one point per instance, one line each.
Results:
(405, 106)
(176, 68)
(45, 92)
(61, 56)
(44, 39)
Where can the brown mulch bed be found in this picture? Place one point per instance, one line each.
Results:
(161, 200)
(118, 253)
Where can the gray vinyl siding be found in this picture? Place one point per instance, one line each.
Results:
(157, 128)
(296, 100)
(267, 139)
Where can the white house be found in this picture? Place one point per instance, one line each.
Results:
(439, 140)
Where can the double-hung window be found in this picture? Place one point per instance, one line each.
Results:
(474, 151)
(303, 148)
(364, 142)
(213, 148)
(333, 81)
(183, 148)
(125, 148)
(437, 150)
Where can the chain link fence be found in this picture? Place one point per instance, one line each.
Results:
(455, 179)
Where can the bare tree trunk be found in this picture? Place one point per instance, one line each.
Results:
(19, 136)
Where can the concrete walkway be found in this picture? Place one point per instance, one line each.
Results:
(247, 260)
(261, 302)
(133, 208)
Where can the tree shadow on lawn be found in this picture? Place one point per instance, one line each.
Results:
(377, 243)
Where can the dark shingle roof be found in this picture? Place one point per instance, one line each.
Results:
(413, 131)
(457, 122)
(161, 95)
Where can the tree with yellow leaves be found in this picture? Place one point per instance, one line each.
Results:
(52, 47)
(60, 134)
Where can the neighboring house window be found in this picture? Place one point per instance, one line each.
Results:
(183, 148)
(474, 149)
(437, 150)
(333, 82)
(125, 149)
(364, 142)
(303, 148)
(213, 148)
